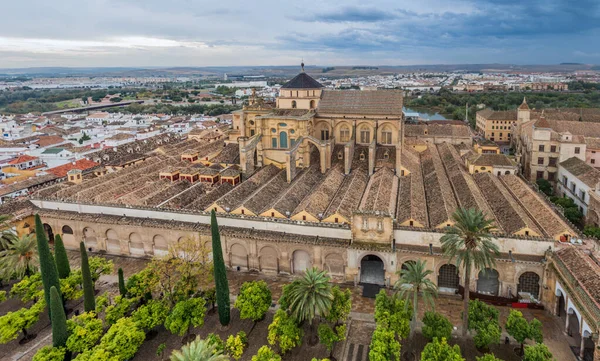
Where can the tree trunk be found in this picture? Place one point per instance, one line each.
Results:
(522, 352)
(466, 300)
(25, 335)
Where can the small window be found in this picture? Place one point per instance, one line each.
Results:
(411, 223)
(527, 233)
(304, 218)
(336, 220)
(540, 161)
(553, 148)
(272, 214)
(294, 104)
(541, 148)
(593, 161)
(577, 150)
(243, 211)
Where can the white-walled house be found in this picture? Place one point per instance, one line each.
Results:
(576, 180)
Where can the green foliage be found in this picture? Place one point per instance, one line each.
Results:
(488, 357)
(101, 302)
(71, 286)
(198, 350)
(60, 256)
(481, 314)
(221, 283)
(122, 289)
(521, 330)
(100, 266)
(141, 284)
(439, 350)
(537, 352)
(47, 265)
(84, 332)
(571, 210)
(18, 256)
(469, 242)
(341, 305)
(160, 350)
(123, 339)
(121, 308)
(392, 313)
(384, 345)
(414, 282)
(592, 231)
(2, 296)
(96, 354)
(29, 288)
(49, 353)
(235, 345)
(487, 335)
(284, 331)
(266, 354)
(150, 315)
(436, 325)
(310, 296)
(328, 336)
(186, 314)
(89, 298)
(58, 319)
(545, 187)
(254, 300)
(216, 341)
(13, 323)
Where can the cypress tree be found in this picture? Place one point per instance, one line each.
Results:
(47, 264)
(59, 320)
(89, 302)
(122, 289)
(222, 286)
(60, 256)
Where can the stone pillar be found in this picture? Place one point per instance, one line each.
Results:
(124, 246)
(372, 150)
(582, 345)
(557, 305)
(567, 324)
(323, 157)
(285, 263)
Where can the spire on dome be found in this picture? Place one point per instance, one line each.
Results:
(302, 65)
(524, 105)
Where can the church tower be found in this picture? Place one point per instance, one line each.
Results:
(302, 92)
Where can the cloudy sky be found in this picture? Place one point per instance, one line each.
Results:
(275, 32)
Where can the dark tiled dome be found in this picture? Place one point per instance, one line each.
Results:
(302, 81)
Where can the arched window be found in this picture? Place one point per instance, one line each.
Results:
(345, 134)
(294, 104)
(365, 135)
(312, 104)
(283, 140)
(386, 136)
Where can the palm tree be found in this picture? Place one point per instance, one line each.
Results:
(470, 242)
(310, 296)
(412, 282)
(6, 231)
(198, 350)
(19, 256)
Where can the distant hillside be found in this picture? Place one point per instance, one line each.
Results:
(288, 71)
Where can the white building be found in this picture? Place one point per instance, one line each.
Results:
(576, 180)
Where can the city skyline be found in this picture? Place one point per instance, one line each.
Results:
(183, 33)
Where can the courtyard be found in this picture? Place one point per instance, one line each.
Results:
(356, 347)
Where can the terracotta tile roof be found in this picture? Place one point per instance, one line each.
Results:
(246, 189)
(411, 194)
(22, 159)
(583, 171)
(441, 203)
(365, 102)
(539, 210)
(348, 196)
(81, 164)
(583, 269)
(436, 130)
(300, 189)
(510, 215)
(488, 159)
(381, 192)
(316, 203)
(489, 114)
(48, 140)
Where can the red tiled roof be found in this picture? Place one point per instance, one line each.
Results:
(22, 159)
(47, 140)
(82, 164)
